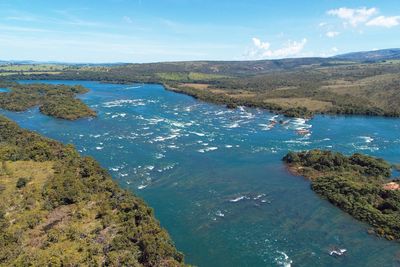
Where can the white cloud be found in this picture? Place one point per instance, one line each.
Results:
(260, 45)
(332, 34)
(353, 16)
(127, 19)
(322, 24)
(262, 49)
(383, 21)
(334, 49)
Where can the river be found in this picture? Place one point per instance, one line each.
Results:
(215, 179)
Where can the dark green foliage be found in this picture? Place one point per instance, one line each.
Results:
(21, 182)
(54, 100)
(65, 108)
(137, 238)
(323, 160)
(354, 184)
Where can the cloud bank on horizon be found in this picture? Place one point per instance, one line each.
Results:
(349, 17)
(173, 30)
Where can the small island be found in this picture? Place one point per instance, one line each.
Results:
(358, 184)
(53, 100)
(61, 209)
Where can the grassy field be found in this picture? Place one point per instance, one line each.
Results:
(190, 76)
(29, 73)
(32, 67)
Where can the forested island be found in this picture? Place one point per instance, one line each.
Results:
(53, 100)
(358, 184)
(61, 209)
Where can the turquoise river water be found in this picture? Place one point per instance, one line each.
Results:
(215, 179)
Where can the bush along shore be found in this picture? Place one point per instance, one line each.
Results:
(358, 184)
(61, 209)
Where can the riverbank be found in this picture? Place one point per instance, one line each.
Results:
(65, 209)
(58, 101)
(295, 107)
(357, 184)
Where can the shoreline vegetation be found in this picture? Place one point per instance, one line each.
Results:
(299, 87)
(62, 209)
(358, 184)
(58, 101)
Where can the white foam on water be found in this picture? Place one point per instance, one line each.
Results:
(177, 124)
(175, 130)
(297, 142)
(228, 146)
(233, 125)
(365, 147)
(123, 102)
(367, 139)
(198, 134)
(338, 252)
(159, 156)
(134, 87)
(99, 147)
(219, 213)
(166, 168)
(283, 259)
(207, 149)
(265, 127)
(259, 196)
(150, 167)
(122, 115)
(163, 138)
(142, 186)
(153, 121)
(237, 199)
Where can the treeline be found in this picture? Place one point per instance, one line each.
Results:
(233, 102)
(53, 100)
(98, 223)
(355, 184)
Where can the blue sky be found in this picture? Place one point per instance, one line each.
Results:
(172, 30)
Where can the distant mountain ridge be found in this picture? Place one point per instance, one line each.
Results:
(375, 55)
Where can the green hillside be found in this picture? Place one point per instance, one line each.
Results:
(61, 209)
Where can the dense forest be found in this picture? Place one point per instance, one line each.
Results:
(295, 87)
(54, 100)
(61, 209)
(357, 184)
